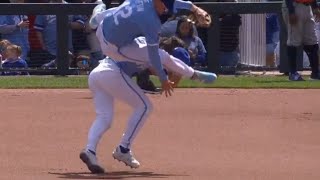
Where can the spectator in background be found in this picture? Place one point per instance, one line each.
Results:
(13, 60)
(15, 28)
(47, 33)
(3, 46)
(196, 49)
(229, 55)
(272, 38)
(91, 42)
(169, 28)
(35, 53)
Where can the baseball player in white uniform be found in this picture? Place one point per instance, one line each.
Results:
(130, 33)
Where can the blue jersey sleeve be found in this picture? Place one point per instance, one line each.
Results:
(152, 38)
(40, 23)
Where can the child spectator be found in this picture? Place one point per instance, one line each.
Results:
(13, 60)
(3, 46)
(15, 28)
(197, 51)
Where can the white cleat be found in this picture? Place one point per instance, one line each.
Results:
(91, 161)
(126, 158)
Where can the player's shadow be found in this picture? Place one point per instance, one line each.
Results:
(113, 175)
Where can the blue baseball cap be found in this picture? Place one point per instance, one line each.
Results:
(182, 54)
(169, 5)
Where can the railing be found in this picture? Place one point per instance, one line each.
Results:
(215, 9)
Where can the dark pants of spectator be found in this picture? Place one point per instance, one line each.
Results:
(39, 57)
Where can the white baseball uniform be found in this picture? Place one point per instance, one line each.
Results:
(127, 33)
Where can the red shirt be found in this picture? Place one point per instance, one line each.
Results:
(33, 38)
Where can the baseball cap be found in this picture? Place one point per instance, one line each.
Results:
(182, 54)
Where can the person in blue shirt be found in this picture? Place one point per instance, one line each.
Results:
(14, 61)
(196, 49)
(169, 28)
(46, 27)
(130, 33)
(15, 28)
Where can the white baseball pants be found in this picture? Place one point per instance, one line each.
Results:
(107, 83)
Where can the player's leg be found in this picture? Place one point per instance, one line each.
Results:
(137, 51)
(311, 46)
(133, 96)
(103, 103)
(177, 66)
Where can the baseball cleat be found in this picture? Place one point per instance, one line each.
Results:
(126, 158)
(204, 77)
(91, 161)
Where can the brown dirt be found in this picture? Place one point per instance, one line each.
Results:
(196, 134)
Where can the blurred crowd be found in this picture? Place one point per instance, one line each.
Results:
(31, 40)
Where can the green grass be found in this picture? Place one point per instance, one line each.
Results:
(45, 82)
(50, 82)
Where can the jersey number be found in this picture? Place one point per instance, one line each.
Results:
(123, 13)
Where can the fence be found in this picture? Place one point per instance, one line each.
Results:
(215, 9)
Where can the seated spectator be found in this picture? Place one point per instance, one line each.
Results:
(193, 43)
(95, 50)
(229, 55)
(169, 28)
(13, 60)
(15, 29)
(3, 46)
(46, 26)
(272, 38)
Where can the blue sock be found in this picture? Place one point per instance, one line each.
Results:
(94, 153)
(123, 149)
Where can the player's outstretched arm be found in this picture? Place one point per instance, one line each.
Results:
(200, 16)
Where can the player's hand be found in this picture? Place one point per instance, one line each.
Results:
(202, 18)
(167, 87)
(24, 24)
(293, 19)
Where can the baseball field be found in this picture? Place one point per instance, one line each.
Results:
(240, 128)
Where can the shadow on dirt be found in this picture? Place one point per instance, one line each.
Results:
(113, 175)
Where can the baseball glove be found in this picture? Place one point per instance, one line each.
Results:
(201, 18)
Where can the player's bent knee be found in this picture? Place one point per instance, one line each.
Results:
(146, 108)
